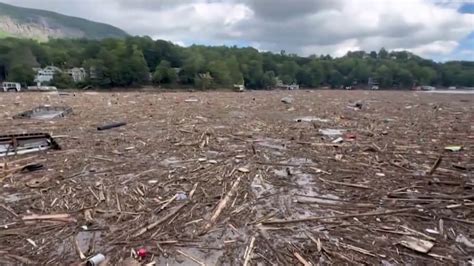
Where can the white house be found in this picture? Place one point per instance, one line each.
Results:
(77, 74)
(46, 74)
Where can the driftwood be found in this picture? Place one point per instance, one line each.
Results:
(344, 184)
(49, 217)
(160, 221)
(220, 207)
(301, 259)
(389, 182)
(249, 251)
(343, 216)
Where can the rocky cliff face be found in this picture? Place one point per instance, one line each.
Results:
(43, 25)
(40, 31)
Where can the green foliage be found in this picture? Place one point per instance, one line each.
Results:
(164, 73)
(336, 79)
(62, 81)
(22, 74)
(268, 79)
(384, 76)
(203, 81)
(128, 62)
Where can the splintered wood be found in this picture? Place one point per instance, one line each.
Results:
(220, 178)
(220, 207)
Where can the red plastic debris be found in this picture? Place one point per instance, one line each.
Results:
(142, 252)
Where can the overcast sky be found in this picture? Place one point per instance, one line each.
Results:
(437, 29)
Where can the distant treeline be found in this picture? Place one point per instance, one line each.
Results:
(138, 61)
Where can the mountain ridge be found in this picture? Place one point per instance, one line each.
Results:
(43, 25)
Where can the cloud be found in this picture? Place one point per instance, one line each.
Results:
(281, 10)
(430, 28)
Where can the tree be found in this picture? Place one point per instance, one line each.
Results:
(139, 69)
(383, 54)
(360, 72)
(22, 74)
(304, 77)
(219, 72)
(268, 79)
(345, 66)
(164, 73)
(427, 75)
(62, 80)
(287, 71)
(317, 73)
(193, 65)
(22, 55)
(127, 62)
(404, 77)
(203, 81)
(335, 78)
(384, 76)
(234, 70)
(253, 73)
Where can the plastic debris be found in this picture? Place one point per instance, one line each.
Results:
(142, 253)
(453, 148)
(331, 132)
(181, 196)
(95, 260)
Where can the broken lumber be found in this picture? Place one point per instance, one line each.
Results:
(220, 207)
(416, 244)
(301, 259)
(344, 184)
(342, 216)
(249, 252)
(52, 217)
(162, 220)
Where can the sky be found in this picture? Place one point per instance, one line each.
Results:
(438, 29)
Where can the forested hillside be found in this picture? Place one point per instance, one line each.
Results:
(42, 25)
(138, 61)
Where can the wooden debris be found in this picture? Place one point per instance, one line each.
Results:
(220, 207)
(191, 258)
(50, 217)
(78, 249)
(243, 170)
(249, 251)
(301, 259)
(88, 216)
(393, 180)
(344, 184)
(160, 221)
(435, 165)
(342, 216)
(416, 244)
